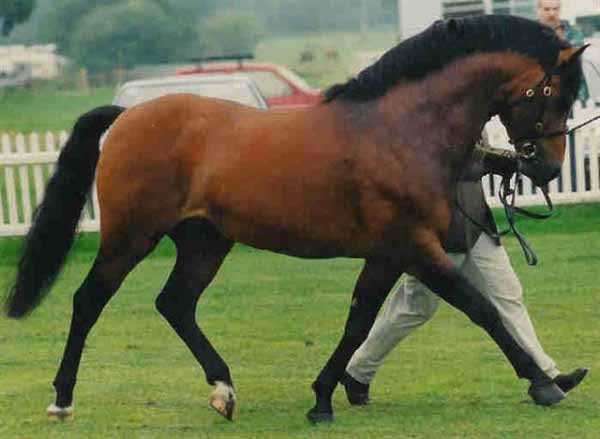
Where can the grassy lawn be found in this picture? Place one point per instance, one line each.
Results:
(322, 72)
(47, 109)
(276, 319)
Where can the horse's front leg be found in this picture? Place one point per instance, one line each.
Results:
(437, 272)
(375, 281)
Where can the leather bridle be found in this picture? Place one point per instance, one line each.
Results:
(526, 149)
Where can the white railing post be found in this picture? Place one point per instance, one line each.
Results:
(9, 180)
(38, 176)
(24, 179)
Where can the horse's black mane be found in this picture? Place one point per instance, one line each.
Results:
(447, 41)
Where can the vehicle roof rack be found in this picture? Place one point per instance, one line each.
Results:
(236, 57)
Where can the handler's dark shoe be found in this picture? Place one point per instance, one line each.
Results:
(546, 393)
(568, 381)
(356, 392)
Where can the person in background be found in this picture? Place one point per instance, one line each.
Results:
(548, 13)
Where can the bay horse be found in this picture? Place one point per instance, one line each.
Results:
(368, 173)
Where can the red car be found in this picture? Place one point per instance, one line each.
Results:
(280, 87)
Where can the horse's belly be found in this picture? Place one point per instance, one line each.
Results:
(329, 235)
(308, 239)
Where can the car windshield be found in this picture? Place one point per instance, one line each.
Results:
(236, 91)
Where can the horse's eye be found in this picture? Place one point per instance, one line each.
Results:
(547, 91)
(529, 93)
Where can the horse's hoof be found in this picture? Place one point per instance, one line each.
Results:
(546, 394)
(315, 416)
(56, 413)
(222, 399)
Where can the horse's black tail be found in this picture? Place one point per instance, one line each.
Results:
(54, 222)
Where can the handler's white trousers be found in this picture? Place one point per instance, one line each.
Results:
(412, 304)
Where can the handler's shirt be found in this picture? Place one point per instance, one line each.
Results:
(463, 234)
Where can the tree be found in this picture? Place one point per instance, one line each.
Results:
(231, 32)
(127, 33)
(64, 19)
(13, 12)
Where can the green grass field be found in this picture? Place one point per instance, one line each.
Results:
(322, 72)
(47, 109)
(276, 319)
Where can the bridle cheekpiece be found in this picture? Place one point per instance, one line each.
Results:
(526, 149)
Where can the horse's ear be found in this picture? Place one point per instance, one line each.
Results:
(570, 55)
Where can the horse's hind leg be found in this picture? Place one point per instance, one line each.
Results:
(373, 285)
(113, 263)
(200, 252)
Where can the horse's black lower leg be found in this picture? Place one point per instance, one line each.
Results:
(200, 252)
(460, 293)
(103, 280)
(372, 287)
(89, 300)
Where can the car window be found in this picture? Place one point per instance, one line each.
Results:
(236, 91)
(269, 84)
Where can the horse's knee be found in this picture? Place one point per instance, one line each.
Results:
(461, 294)
(473, 303)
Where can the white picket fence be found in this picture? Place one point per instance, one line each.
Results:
(27, 161)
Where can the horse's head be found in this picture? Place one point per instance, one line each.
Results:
(536, 105)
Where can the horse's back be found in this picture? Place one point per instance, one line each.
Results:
(267, 179)
(233, 165)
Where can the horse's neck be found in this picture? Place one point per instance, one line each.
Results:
(452, 105)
